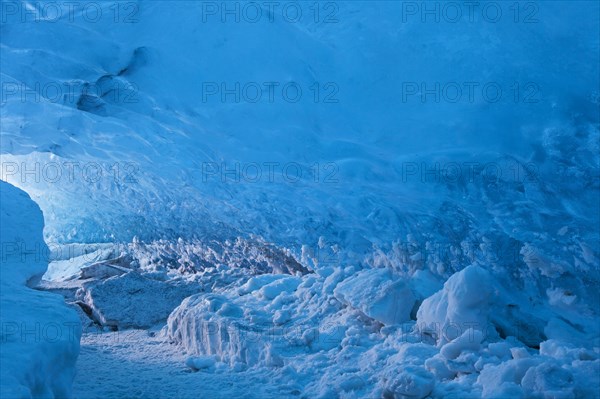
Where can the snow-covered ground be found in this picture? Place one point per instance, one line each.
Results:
(134, 364)
(422, 221)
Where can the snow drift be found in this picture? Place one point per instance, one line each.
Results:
(40, 335)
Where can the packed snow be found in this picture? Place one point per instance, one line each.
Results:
(208, 231)
(40, 334)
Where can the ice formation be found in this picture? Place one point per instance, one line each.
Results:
(371, 238)
(40, 334)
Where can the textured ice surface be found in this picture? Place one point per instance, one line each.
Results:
(133, 301)
(379, 295)
(40, 335)
(380, 271)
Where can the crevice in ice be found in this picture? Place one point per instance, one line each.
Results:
(138, 60)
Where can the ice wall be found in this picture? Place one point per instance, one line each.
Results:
(40, 335)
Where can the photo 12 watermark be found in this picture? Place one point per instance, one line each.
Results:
(269, 92)
(38, 332)
(470, 92)
(453, 172)
(270, 172)
(253, 12)
(105, 90)
(54, 172)
(488, 12)
(125, 12)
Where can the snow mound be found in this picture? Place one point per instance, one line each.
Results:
(463, 303)
(40, 334)
(237, 334)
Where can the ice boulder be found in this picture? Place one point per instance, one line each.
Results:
(549, 380)
(284, 285)
(378, 294)
(200, 362)
(410, 383)
(504, 380)
(470, 340)
(463, 303)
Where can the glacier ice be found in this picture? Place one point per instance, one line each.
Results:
(373, 239)
(40, 334)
